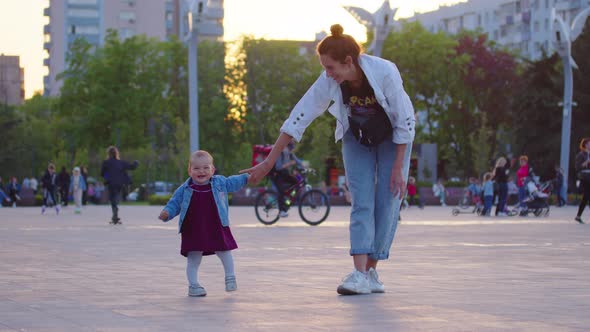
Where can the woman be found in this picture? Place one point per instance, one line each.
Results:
(114, 172)
(375, 121)
(583, 172)
(521, 174)
(501, 178)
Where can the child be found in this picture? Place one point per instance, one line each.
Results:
(412, 189)
(488, 194)
(438, 189)
(77, 187)
(49, 183)
(474, 191)
(203, 224)
(13, 190)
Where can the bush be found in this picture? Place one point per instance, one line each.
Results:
(456, 184)
(159, 199)
(423, 184)
(38, 200)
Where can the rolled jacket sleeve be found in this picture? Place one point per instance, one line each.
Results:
(404, 119)
(315, 101)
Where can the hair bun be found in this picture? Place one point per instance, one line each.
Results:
(336, 30)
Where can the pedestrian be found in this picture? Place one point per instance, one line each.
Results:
(34, 184)
(114, 171)
(488, 193)
(501, 178)
(412, 190)
(84, 173)
(26, 183)
(521, 174)
(558, 186)
(366, 96)
(439, 190)
(583, 172)
(13, 190)
(282, 178)
(475, 191)
(63, 180)
(77, 187)
(203, 225)
(49, 184)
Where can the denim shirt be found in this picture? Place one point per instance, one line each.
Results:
(220, 185)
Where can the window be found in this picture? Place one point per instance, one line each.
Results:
(127, 16)
(89, 13)
(546, 24)
(546, 4)
(88, 30)
(536, 26)
(126, 33)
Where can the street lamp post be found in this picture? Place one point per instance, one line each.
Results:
(380, 22)
(563, 36)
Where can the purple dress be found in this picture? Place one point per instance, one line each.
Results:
(202, 229)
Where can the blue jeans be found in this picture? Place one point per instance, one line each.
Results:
(521, 196)
(375, 212)
(487, 205)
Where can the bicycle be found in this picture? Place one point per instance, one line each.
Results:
(313, 204)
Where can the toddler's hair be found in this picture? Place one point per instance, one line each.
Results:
(411, 179)
(200, 154)
(487, 176)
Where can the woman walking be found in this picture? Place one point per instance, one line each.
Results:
(583, 172)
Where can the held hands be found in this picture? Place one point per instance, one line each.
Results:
(397, 183)
(257, 172)
(163, 215)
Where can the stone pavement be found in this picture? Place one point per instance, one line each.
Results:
(466, 273)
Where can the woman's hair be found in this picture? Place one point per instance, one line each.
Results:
(51, 166)
(583, 142)
(339, 45)
(488, 176)
(113, 152)
(200, 154)
(524, 158)
(501, 162)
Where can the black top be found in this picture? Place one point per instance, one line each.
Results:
(114, 171)
(501, 173)
(581, 157)
(361, 100)
(49, 181)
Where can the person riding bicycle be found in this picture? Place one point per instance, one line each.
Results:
(281, 176)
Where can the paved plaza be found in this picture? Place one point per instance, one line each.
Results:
(466, 273)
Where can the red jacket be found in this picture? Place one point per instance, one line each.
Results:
(411, 189)
(521, 174)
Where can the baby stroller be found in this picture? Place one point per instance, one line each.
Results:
(536, 201)
(470, 202)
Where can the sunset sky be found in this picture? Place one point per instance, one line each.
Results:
(21, 24)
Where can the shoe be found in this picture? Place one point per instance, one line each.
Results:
(43, 210)
(283, 214)
(196, 291)
(230, 284)
(443, 205)
(374, 282)
(579, 219)
(501, 214)
(354, 283)
(57, 209)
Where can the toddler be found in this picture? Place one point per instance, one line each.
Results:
(203, 224)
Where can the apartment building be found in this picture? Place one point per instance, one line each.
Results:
(522, 25)
(91, 19)
(12, 80)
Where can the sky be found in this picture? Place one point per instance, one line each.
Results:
(22, 21)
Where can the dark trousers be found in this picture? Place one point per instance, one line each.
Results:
(502, 197)
(85, 197)
(63, 191)
(115, 198)
(283, 180)
(585, 197)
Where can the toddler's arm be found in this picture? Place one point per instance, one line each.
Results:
(236, 182)
(172, 209)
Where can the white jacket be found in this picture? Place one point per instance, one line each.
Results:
(325, 93)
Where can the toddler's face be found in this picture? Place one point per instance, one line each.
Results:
(201, 170)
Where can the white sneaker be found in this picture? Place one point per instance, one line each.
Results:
(354, 283)
(502, 214)
(283, 214)
(374, 282)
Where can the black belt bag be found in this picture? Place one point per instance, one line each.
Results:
(370, 130)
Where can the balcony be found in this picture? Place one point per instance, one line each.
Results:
(46, 12)
(46, 62)
(210, 29)
(47, 29)
(214, 13)
(47, 46)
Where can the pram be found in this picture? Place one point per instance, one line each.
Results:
(536, 201)
(470, 202)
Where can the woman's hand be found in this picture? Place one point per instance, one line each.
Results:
(397, 183)
(258, 172)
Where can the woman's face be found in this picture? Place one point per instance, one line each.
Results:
(338, 71)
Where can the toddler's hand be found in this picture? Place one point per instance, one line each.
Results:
(163, 215)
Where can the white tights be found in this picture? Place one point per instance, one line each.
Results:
(193, 261)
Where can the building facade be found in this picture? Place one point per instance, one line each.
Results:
(91, 20)
(12, 80)
(521, 25)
